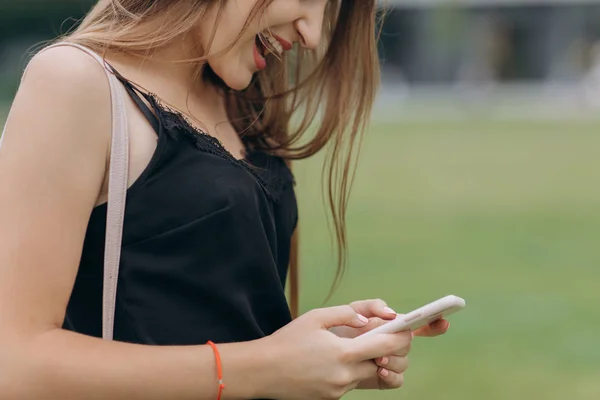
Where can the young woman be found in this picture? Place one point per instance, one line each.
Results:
(221, 94)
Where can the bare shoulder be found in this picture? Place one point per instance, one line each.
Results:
(66, 62)
(68, 74)
(63, 90)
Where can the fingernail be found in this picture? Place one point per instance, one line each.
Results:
(363, 319)
(384, 361)
(384, 372)
(389, 310)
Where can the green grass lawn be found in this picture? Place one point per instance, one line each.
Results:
(503, 214)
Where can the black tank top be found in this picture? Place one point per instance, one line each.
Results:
(206, 243)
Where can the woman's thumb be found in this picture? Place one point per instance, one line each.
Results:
(339, 316)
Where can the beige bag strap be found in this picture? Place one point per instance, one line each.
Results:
(117, 191)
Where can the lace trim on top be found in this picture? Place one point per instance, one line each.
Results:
(177, 124)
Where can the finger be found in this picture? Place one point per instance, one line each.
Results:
(367, 371)
(393, 363)
(370, 347)
(403, 352)
(390, 380)
(347, 332)
(436, 328)
(374, 322)
(374, 308)
(337, 316)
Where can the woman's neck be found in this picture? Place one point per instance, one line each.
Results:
(163, 73)
(171, 62)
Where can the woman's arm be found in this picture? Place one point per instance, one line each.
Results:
(57, 364)
(52, 166)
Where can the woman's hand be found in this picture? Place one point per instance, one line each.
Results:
(309, 361)
(390, 374)
(378, 313)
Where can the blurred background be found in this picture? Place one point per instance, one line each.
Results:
(480, 177)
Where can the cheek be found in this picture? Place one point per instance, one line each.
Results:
(236, 56)
(281, 13)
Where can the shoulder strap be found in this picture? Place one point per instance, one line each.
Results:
(117, 191)
(136, 95)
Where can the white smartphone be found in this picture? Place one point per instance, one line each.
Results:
(422, 316)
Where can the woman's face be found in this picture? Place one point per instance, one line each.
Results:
(289, 21)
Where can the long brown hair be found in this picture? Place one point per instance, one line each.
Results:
(325, 93)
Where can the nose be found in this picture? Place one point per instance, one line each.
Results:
(310, 25)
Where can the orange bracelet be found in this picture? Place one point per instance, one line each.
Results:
(219, 369)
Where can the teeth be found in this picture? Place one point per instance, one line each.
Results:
(273, 43)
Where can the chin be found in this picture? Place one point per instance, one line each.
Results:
(234, 78)
(238, 84)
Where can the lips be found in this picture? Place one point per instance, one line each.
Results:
(284, 43)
